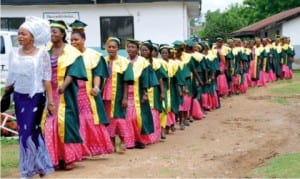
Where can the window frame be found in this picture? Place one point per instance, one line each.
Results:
(123, 40)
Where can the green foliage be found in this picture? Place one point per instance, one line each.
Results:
(260, 9)
(282, 166)
(222, 23)
(236, 16)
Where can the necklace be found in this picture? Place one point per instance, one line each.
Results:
(28, 51)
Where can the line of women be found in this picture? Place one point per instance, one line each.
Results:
(93, 100)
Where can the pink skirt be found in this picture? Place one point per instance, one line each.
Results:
(187, 101)
(262, 79)
(206, 101)
(106, 94)
(286, 72)
(155, 136)
(244, 86)
(197, 113)
(266, 75)
(209, 102)
(96, 139)
(131, 115)
(171, 119)
(222, 85)
(235, 87)
(121, 127)
(251, 69)
(214, 99)
(68, 152)
(248, 78)
(272, 76)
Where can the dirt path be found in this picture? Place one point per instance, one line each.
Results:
(230, 142)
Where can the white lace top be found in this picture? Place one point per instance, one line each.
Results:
(27, 73)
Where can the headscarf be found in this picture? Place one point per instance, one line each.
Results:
(39, 28)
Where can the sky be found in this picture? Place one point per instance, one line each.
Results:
(213, 5)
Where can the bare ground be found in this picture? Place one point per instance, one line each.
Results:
(230, 142)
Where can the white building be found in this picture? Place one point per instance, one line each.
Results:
(158, 20)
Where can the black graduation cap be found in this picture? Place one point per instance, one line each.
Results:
(203, 45)
(162, 46)
(133, 41)
(117, 39)
(77, 24)
(219, 39)
(58, 24)
(148, 44)
(178, 44)
(190, 42)
(155, 46)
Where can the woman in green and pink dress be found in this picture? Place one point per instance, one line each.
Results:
(115, 94)
(93, 118)
(139, 110)
(156, 94)
(62, 133)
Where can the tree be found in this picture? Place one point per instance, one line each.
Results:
(260, 9)
(223, 23)
(237, 16)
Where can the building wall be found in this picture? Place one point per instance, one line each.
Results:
(162, 22)
(291, 29)
(271, 32)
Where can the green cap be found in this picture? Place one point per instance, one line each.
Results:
(178, 44)
(148, 44)
(155, 46)
(219, 39)
(58, 24)
(77, 24)
(164, 46)
(190, 42)
(236, 39)
(203, 45)
(133, 41)
(116, 39)
(230, 40)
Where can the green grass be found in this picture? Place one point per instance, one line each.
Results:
(8, 141)
(282, 166)
(292, 87)
(279, 100)
(9, 156)
(287, 90)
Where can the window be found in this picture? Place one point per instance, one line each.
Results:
(11, 23)
(2, 46)
(14, 40)
(117, 26)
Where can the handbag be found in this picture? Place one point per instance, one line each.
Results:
(6, 99)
